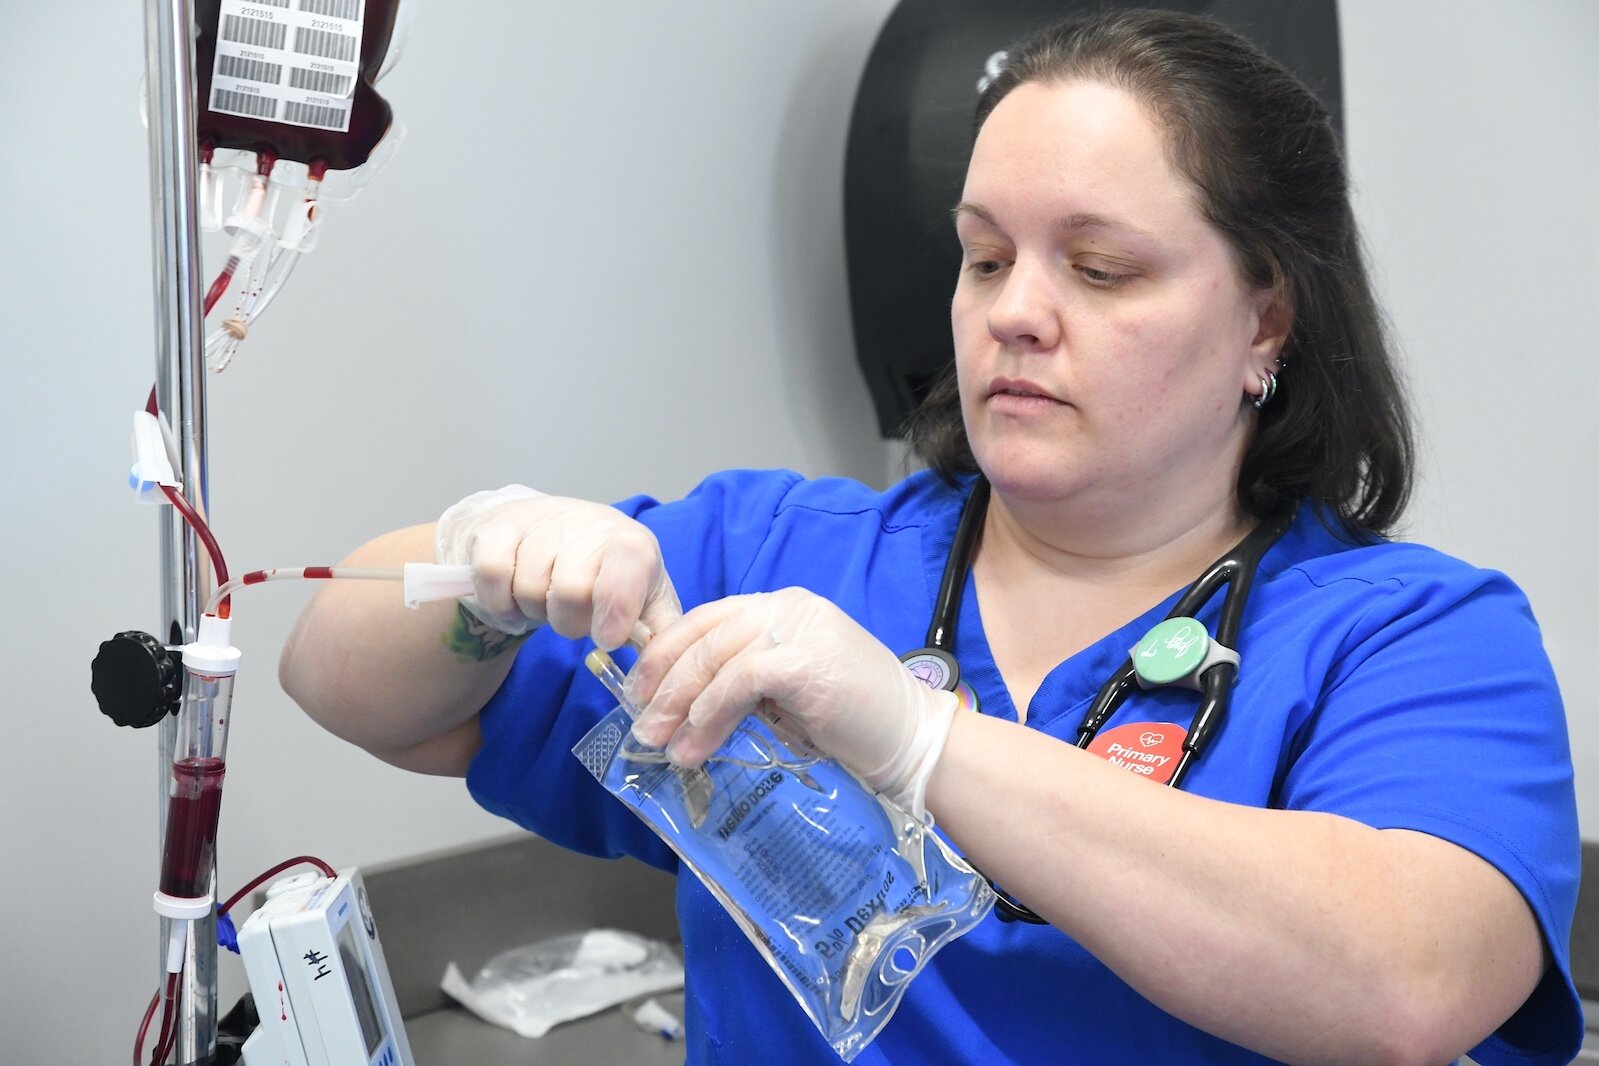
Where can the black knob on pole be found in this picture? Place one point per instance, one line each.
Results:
(136, 680)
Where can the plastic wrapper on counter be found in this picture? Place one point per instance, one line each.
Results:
(533, 988)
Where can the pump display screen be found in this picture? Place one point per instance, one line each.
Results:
(366, 1007)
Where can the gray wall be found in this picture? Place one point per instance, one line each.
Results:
(1474, 141)
(608, 258)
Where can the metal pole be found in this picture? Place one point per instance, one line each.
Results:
(180, 392)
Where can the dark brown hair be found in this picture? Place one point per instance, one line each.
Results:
(1260, 149)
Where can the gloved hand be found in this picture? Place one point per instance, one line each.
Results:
(585, 568)
(814, 666)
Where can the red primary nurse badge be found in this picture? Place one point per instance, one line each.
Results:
(1148, 749)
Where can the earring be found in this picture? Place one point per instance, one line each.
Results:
(1268, 389)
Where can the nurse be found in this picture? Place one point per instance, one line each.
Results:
(1164, 335)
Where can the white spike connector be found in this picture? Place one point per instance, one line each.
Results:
(436, 581)
(211, 652)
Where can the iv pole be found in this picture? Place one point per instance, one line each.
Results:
(180, 393)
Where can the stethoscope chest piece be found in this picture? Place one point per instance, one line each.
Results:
(937, 669)
(1177, 651)
(933, 667)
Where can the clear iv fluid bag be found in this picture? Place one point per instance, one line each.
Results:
(844, 895)
(293, 79)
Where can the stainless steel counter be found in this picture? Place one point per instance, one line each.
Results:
(452, 1035)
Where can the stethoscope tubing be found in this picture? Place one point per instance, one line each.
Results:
(957, 564)
(1235, 570)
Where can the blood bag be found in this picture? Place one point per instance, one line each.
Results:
(287, 116)
(293, 79)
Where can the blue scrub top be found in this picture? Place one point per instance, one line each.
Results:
(1384, 682)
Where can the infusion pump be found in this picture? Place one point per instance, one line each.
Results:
(320, 982)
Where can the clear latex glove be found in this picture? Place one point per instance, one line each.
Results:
(585, 568)
(804, 660)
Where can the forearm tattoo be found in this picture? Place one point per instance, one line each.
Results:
(470, 641)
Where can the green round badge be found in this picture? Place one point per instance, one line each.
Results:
(1171, 651)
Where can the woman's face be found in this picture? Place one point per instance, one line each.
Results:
(1104, 339)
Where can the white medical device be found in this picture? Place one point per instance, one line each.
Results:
(320, 982)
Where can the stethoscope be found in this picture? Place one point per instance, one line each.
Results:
(1179, 651)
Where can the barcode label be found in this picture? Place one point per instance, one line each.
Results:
(332, 118)
(325, 44)
(339, 9)
(289, 61)
(254, 32)
(319, 81)
(232, 66)
(243, 104)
